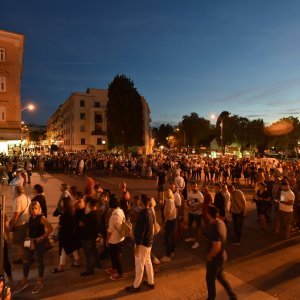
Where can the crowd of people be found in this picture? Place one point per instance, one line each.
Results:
(200, 190)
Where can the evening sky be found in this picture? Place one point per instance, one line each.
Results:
(183, 56)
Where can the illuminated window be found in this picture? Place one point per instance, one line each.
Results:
(2, 84)
(2, 54)
(2, 114)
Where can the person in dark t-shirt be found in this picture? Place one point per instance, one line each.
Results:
(90, 224)
(217, 235)
(38, 192)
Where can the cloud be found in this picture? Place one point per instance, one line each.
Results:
(257, 116)
(259, 93)
(289, 112)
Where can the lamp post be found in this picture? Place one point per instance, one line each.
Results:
(30, 107)
(24, 129)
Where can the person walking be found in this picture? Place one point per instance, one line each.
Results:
(28, 168)
(143, 236)
(216, 257)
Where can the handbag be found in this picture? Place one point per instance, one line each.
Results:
(29, 243)
(126, 229)
(156, 228)
(55, 236)
(56, 213)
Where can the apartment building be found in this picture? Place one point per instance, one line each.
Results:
(80, 123)
(11, 63)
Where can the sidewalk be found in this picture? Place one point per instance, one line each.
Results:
(183, 278)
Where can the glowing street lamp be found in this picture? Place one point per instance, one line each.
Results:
(29, 107)
(178, 129)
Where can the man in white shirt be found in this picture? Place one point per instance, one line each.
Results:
(177, 197)
(195, 204)
(179, 182)
(285, 212)
(19, 220)
(114, 239)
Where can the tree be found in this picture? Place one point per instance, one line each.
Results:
(37, 135)
(256, 136)
(225, 126)
(194, 130)
(163, 132)
(125, 119)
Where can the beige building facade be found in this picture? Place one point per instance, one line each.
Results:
(11, 63)
(80, 123)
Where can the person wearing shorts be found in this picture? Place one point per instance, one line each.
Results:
(195, 204)
(285, 212)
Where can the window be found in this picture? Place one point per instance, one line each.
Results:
(99, 141)
(2, 114)
(98, 118)
(82, 104)
(82, 141)
(2, 84)
(82, 116)
(82, 128)
(2, 54)
(97, 104)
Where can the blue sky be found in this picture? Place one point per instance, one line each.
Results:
(183, 56)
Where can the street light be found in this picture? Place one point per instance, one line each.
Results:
(178, 129)
(29, 107)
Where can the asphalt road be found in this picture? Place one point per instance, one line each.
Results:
(263, 262)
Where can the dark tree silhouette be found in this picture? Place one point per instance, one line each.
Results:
(125, 119)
